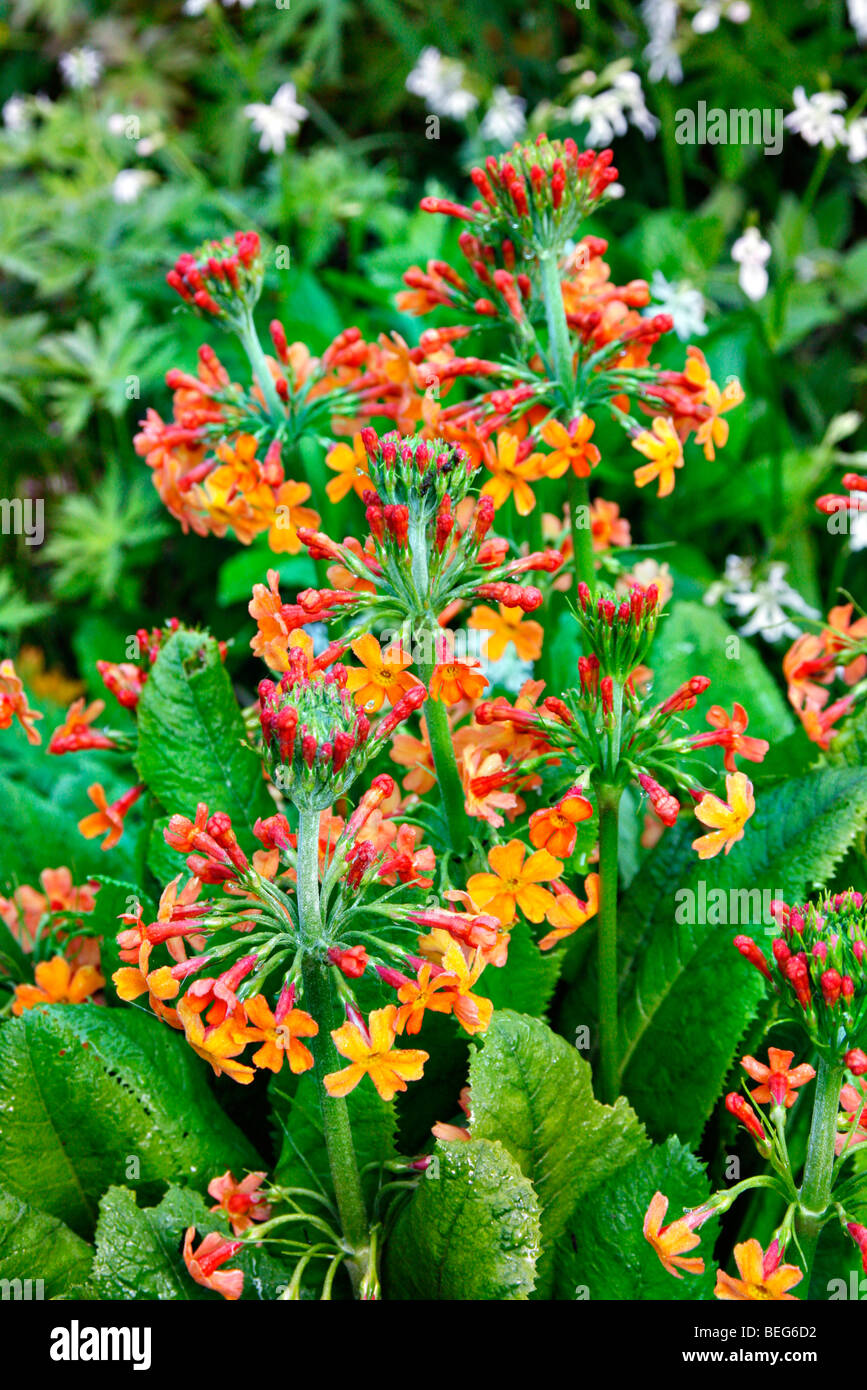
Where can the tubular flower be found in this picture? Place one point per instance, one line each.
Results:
(241, 1203)
(726, 819)
(609, 528)
(25, 912)
(662, 447)
(57, 983)
(487, 781)
(672, 1243)
(75, 733)
(218, 1044)
(371, 1052)
(819, 958)
(729, 734)
(778, 1082)
(567, 913)
(453, 681)
(571, 448)
(14, 705)
(281, 1033)
(107, 817)
(515, 884)
(205, 1263)
(812, 664)
(762, 1274)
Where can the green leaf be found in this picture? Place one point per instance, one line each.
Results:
(604, 1255)
(46, 833)
(801, 829)
(113, 898)
(139, 1250)
(35, 1246)
(470, 1230)
(84, 1090)
(191, 736)
(532, 1090)
(695, 640)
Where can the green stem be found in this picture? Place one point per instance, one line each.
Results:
(609, 1040)
(559, 339)
(318, 1000)
(582, 536)
(814, 1197)
(253, 348)
(435, 716)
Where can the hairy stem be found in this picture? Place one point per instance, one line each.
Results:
(609, 1040)
(814, 1197)
(318, 1000)
(253, 348)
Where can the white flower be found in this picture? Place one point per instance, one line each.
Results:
(660, 20)
(504, 120)
(81, 67)
(16, 113)
(439, 82)
(708, 17)
(750, 252)
(685, 304)
(608, 112)
(858, 18)
(856, 134)
(768, 605)
(817, 118)
(274, 121)
(129, 185)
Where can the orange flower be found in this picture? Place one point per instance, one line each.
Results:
(414, 753)
(283, 535)
(75, 732)
(731, 736)
(56, 983)
(838, 636)
(351, 467)
(382, 675)
(778, 1084)
(514, 884)
(727, 820)
(241, 1202)
(511, 477)
(819, 724)
(567, 913)
(13, 703)
(131, 981)
(486, 781)
(554, 827)
(714, 430)
(508, 625)
(107, 817)
(218, 1045)
(420, 994)
(609, 528)
(673, 1242)
(280, 1035)
(452, 681)
(762, 1275)
(204, 1265)
(804, 664)
(471, 1010)
(572, 448)
(661, 445)
(372, 1053)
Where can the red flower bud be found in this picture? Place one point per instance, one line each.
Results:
(744, 1113)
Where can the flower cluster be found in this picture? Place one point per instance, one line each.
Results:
(820, 968)
(605, 733)
(223, 279)
(815, 661)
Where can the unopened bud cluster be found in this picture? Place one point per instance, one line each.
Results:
(222, 279)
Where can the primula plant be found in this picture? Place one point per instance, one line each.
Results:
(381, 921)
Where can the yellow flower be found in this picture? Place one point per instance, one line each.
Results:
(372, 1053)
(762, 1275)
(382, 674)
(514, 884)
(509, 477)
(350, 465)
(661, 445)
(508, 625)
(727, 820)
(568, 913)
(283, 535)
(673, 1242)
(57, 983)
(572, 448)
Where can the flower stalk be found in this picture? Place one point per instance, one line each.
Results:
(814, 1197)
(609, 1042)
